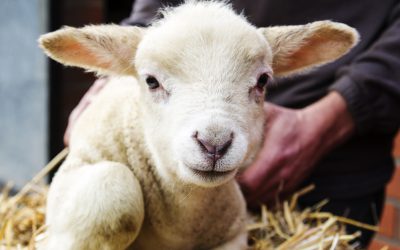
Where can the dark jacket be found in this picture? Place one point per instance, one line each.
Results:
(368, 78)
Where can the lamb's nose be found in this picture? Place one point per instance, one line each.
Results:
(213, 150)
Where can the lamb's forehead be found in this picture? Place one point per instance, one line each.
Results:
(203, 33)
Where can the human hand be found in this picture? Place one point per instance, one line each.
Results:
(83, 104)
(294, 142)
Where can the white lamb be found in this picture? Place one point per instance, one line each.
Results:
(152, 161)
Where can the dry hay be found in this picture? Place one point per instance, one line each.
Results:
(22, 221)
(22, 216)
(287, 228)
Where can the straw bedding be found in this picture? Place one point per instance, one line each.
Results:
(22, 219)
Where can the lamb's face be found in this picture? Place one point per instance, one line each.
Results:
(202, 71)
(203, 91)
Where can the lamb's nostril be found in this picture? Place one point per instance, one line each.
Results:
(208, 146)
(221, 150)
(214, 151)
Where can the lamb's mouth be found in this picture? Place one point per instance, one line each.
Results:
(212, 174)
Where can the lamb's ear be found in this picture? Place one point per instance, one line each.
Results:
(105, 49)
(302, 47)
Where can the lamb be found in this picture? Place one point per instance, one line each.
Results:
(152, 160)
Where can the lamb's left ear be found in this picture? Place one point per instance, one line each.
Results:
(301, 47)
(105, 49)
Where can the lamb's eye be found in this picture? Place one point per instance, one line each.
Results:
(152, 82)
(262, 81)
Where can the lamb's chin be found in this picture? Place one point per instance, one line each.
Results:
(207, 179)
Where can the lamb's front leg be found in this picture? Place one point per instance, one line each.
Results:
(97, 206)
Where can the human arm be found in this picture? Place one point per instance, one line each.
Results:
(144, 11)
(369, 86)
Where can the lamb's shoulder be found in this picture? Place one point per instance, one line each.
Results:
(100, 132)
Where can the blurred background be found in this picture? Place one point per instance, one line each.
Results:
(37, 95)
(24, 89)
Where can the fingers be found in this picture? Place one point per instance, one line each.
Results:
(274, 187)
(83, 104)
(261, 177)
(270, 192)
(271, 176)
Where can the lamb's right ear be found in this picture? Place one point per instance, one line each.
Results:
(105, 49)
(299, 48)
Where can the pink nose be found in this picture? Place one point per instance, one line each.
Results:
(214, 151)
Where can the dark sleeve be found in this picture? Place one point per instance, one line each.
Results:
(371, 83)
(144, 11)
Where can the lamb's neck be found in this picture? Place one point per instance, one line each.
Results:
(182, 213)
(176, 194)
(183, 196)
